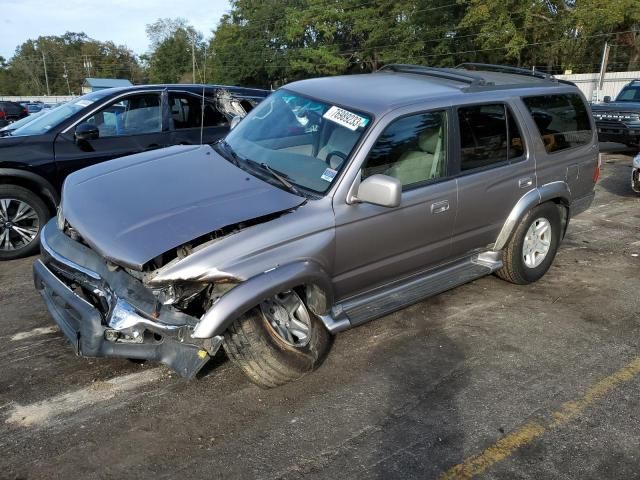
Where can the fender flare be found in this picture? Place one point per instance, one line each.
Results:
(47, 189)
(531, 199)
(247, 295)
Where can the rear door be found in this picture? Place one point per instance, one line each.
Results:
(565, 130)
(186, 115)
(130, 124)
(493, 169)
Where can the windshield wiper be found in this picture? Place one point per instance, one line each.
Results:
(232, 156)
(278, 176)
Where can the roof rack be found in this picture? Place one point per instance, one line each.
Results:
(446, 73)
(488, 67)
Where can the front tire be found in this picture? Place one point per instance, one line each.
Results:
(22, 216)
(277, 342)
(533, 246)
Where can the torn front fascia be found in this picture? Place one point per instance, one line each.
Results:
(107, 313)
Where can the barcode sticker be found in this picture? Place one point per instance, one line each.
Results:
(347, 119)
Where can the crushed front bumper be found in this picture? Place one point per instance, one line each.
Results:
(107, 313)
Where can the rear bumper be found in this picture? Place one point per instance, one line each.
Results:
(123, 330)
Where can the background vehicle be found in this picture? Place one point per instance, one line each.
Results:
(619, 121)
(36, 158)
(10, 112)
(34, 107)
(6, 130)
(341, 200)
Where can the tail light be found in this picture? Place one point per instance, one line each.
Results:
(25, 111)
(2, 115)
(596, 171)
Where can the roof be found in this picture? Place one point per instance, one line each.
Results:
(379, 92)
(107, 82)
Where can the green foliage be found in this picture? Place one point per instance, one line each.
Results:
(174, 45)
(266, 43)
(70, 57)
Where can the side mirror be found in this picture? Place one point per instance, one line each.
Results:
(607, 99)
(87, 131)
(380, 190)
(235, 121)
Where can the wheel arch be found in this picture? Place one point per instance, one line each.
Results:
(306, 276)
(558, 193)
(31, 181)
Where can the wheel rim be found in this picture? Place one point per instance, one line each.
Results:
(289, 318)
(19, 224)
(537, 243)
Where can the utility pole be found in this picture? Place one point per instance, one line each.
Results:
(66, 77)
(603, 70)
(193, 60)
(46, 77)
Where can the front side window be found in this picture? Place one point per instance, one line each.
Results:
(305, 141)
(562, 120)
(412, 149)
(134, 115)
(186, 112)
(489, 134)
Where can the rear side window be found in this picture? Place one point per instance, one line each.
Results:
(562, 120)
(489, 135)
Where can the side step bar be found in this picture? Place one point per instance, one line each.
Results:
(400, 294)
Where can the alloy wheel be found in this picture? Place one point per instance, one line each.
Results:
(537, 243)
(289, 318)
(19, 224)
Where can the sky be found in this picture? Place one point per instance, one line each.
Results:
(122, 21)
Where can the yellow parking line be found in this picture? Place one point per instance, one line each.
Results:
(525, 435)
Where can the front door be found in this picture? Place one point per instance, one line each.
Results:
(374, 244)
(128, 125)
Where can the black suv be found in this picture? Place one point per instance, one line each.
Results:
(619, 121)
(10, 112)
(36, 158)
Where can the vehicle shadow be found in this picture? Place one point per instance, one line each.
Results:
(422, 435)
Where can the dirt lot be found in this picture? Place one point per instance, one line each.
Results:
(489, 379)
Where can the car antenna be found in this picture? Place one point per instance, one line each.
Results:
(204, 81)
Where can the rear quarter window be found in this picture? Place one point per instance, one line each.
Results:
(562, 120)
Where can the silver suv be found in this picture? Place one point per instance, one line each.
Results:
(334, 202)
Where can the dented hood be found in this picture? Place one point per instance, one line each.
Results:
(132, 209)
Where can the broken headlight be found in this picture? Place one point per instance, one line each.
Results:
(179, 294)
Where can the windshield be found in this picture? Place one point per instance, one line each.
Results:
(56, 116)
(629, 94)
(305, 141)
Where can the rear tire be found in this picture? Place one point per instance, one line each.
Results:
(22, 216)
(265, 356)
(527, 256)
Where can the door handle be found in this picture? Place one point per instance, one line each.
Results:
(440, 207)
(525, 182)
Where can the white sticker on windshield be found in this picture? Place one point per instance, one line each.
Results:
(329, 174)
(345, 118)
(84, 103)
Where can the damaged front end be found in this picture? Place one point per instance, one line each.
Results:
(105, 311)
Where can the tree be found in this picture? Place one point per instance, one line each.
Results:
(175, 46)
(70, 58)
